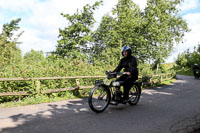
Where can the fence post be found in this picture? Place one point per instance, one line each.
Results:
(76, 91)
(77, 84)
(150, 80)
(37, 87)
(160, 78)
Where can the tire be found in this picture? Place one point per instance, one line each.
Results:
(99, 98)
(134, 94)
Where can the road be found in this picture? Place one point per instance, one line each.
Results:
(173, 108)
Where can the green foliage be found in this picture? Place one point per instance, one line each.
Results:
(105, 37)
(184, 71)
(34, 56)
(151, 33)
(188, 59)
(122, 28)
(108, 57)
(10, 28)
(75, 38)
(163, 26)
(145, 70)
(10, 54)
(181, 60)
(129, 24)
(47, 67)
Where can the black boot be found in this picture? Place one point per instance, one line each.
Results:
(125, 97)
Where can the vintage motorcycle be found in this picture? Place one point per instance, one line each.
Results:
(103, 93)
(196, 74)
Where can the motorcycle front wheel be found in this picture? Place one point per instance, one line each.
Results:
(99, 98)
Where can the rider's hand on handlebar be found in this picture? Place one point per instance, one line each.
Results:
(128, 73)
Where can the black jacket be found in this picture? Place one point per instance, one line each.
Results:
(195, 68)
(129, 64)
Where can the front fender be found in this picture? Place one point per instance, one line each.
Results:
(105, 86)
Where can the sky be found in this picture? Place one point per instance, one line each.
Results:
(41, 20)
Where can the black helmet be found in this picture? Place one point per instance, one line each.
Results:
(128, 49)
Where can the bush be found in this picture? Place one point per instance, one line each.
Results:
(35, 65)
(145, 70)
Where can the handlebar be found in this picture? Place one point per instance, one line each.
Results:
(113, 74)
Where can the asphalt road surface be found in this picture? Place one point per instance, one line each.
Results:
(173, 108)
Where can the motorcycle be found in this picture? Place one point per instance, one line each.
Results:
(196, 74)
(103, 93)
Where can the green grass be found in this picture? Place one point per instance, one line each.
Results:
(167, 82)
(37, 100)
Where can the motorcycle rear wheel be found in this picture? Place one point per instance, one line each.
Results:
(134, 95)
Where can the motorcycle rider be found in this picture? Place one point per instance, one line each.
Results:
(195, 68)
(129, 64)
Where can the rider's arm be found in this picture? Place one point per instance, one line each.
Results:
(133, 66)
(119, 67)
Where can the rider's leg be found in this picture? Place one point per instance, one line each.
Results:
(194, 73)
(127, 86)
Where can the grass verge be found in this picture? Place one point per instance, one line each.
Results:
(167, 82)
(185, 71)
(38, 100)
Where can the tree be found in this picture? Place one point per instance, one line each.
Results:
(163, 28)
(188, 59)
(129, 24)
(10, 28)
(193, 57)
(34, 56)
(75, 39)
(106, 41)
(9, 52)
(152, 34)
(119, 29)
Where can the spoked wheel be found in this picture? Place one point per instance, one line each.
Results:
(134, 95)
(99, 98)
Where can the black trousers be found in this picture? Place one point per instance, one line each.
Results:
(128, 83)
